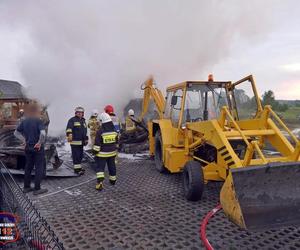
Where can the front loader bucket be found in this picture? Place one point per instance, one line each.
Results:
(263, 197)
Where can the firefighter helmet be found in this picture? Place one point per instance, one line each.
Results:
(104, 118)
(131, 112)
(95, 112)
(79, 109)
(109, 109)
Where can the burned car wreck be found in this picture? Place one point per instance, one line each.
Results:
(137, 141)
(13, 102)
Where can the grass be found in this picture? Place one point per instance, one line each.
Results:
(292, 115)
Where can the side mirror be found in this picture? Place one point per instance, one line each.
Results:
(174, 100)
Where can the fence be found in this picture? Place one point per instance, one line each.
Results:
(35, 232)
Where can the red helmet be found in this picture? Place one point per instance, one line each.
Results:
(109, 109)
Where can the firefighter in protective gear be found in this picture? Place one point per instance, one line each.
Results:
(93, 125)
(109, 109)
(130, 126)
(77, 137)
(105, 150)
(45, 118)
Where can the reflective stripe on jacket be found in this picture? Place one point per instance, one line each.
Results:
(78, 143)
(106, 143)
(106, 154)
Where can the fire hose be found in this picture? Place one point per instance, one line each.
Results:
(204, 223)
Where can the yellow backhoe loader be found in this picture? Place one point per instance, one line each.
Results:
(219, 131)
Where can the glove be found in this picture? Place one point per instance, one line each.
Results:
(70, 138)
(37, 146)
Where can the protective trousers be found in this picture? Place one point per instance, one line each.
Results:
(34, 160)
(77, 155)
(101, 163)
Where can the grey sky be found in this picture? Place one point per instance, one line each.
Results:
(92, 52)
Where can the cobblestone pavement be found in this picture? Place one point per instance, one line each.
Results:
(145, 210)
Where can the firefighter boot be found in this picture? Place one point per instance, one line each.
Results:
(99, 185)
(112, 180)
(79, 171)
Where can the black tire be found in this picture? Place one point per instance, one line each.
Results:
(193, 181)
(158, 153)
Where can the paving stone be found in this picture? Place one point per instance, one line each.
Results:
(144, 210)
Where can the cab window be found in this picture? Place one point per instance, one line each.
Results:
(245, 101)
(203, 102)
(176, 101)
(167, 111)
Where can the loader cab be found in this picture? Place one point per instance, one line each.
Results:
(195, 101)
(204, 101)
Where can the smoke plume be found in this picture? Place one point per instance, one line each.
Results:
(96, 52)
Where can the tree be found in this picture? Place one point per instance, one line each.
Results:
(268, 98)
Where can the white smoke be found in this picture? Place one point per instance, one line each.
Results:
(97, 52)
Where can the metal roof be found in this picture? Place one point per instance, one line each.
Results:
(183, 84)
(11, 90)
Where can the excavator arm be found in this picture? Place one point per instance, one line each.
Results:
(151, 92)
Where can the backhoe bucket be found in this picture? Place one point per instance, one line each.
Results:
(263, 197)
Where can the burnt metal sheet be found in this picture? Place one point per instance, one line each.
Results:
(65, 170)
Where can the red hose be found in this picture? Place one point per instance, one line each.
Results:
(204, 223)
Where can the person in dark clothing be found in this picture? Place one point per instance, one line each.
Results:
(105, 149)
(21, 116)
(32, 133)
(77, 137)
